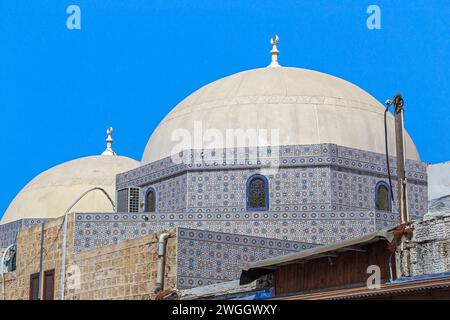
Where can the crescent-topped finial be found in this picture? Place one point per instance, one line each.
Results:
(109, 140)
(274, 40)
(274, 52)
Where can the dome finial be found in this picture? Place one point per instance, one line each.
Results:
(109, 140)
(274, 52)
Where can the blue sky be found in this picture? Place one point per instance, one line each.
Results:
(133, 61)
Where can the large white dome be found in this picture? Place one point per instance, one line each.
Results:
(307, 107)
(51, 193)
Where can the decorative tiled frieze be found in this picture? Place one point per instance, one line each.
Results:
(93, 230)
(307, 155)
(290, 189)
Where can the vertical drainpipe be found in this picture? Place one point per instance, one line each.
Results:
(63, 259)
(162, 242)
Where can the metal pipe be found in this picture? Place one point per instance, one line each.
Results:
(41, 259)
(64, 244)
(404, 162)
(162, 242)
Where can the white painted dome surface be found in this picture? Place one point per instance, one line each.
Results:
(51, 193)
(438, 180)
(307, 107)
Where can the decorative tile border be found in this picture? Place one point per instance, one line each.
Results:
(93, 230)
(306, 155)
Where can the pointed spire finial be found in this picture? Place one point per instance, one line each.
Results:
(274, 52)
(109, 141)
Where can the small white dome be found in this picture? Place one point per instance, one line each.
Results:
(51, 193)
(307, 107)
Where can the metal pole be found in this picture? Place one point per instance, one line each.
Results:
(400, 147)
(41, 261)
(63, 257)
(64, 244)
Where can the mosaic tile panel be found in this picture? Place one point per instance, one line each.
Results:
(206, 257)
(170, 194)
(227, 189)
(357, 190)
(94, 230)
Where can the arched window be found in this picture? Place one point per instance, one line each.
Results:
(257, 193)
(150, 200)
(382, 196)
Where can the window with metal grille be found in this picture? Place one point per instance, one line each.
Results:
(150, 200)
(134, 200)
(382, 197)
(257, 193)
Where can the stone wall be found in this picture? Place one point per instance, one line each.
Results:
(119, 271)
(428, 252)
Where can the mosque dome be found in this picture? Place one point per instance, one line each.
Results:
(307, 107)
(51, 193)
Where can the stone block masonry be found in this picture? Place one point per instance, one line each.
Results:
(428, 252)
(126, 270)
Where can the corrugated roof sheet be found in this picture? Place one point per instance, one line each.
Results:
(320, 252)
